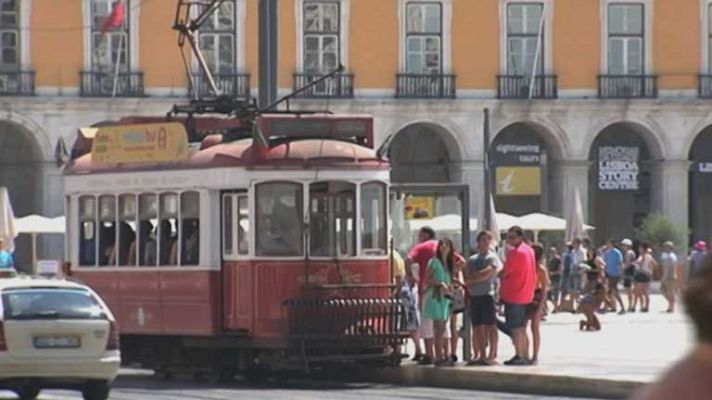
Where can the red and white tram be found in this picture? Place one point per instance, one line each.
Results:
(241, 253)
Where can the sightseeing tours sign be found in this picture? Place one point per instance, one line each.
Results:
(140, 143)
(618, 168)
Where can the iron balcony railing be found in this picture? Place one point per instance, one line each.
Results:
(704, 86)
(17, 83)
(524, 87)
(234, 85)
(101, 84)
(627, 86)
(338, 86)
(425, 86)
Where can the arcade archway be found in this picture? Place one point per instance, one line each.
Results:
(622, 157)
(700, 192)
(21, 172)
(424, 153)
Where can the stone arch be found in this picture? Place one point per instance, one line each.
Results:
(700, 185)
(649, 132)
(556, 140)
(425, 151)
(22, 163)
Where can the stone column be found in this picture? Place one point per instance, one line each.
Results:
(670, 191)
(572, 175)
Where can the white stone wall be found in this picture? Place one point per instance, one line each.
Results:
(568, 126)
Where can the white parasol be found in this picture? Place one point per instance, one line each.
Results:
(7, 221)
(575, 227)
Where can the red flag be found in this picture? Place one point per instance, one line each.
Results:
(116, 18)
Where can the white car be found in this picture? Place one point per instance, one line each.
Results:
(58, 334)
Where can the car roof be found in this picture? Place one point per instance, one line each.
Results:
(34, 281)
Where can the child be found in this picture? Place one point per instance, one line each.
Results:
(588, 306)
(409, 297)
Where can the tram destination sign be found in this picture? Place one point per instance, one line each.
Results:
(141, 143)
(618, 168)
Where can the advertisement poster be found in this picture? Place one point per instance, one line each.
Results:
(127, 144)
(618, 168)
(419, 207)
(518, 181)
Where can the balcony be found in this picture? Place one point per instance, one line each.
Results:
(17, 83)
(425, 86)
(627, 86)
(704, 86)
(236, 85)
(101, 84)
(524, 87)
(338, 86)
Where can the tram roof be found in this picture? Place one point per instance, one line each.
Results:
(293, 154)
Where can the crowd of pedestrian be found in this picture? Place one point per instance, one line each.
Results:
(523, 282)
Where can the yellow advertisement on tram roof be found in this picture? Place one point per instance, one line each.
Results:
(140, 143)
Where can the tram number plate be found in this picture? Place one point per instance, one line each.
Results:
(56, 342)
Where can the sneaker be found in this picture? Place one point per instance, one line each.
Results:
(621, 312)
(518, 362)
(582, 324)
(511, 360)
(453, 358)
(445, 363)
(417, 357)
(425, 361)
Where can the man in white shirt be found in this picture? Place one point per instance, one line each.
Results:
(578, 258)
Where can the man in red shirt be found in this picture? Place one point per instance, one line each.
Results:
(421, 254)
(517, 284)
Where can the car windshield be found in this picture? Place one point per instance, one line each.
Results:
(50, 303)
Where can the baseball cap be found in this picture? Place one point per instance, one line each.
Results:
(701, 245)
(627, 242)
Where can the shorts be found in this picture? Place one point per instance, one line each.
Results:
(427, 331)
(627, 282)
(641, 277)
(482, 311)
(515, 315)
(613, 282)
(533, 307)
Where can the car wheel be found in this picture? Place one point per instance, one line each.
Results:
(27, 393)
(96, 391)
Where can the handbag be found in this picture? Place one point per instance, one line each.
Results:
(458, 302)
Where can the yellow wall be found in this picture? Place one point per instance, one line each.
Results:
(159, 55)
(373, 43)
(676, 43)
(57, 44)
(475, 43)
(576, 43)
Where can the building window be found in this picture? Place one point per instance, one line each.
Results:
(9, 35)
(423, 38)
(625, 39)
(112, 46)
(321, 36)
(525, 39)
(217, 39)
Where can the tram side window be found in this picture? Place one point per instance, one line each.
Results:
(87, 231)
(243, 225)
(168, 229)
(373, 218)
(107, 230)
(227, 210)
(127, 230)
(190, 228)
(148, 223)
(279, 219)
(331, 219)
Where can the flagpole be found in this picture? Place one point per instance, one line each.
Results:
(537, 52)
(118, 63)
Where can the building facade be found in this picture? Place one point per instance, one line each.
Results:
(610, 98)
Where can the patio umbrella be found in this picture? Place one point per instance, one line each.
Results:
(36, 224)
(7, 220)
(574, 223)
(538, 222)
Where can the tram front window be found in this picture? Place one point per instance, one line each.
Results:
(331, 219)
(148, 221)
(373, 218)
(279, 219)
(127, 230)
(168, 229)
(190, 228)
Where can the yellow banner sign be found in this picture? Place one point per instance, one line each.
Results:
(518, 181)
(128, 144)
(419, 207)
